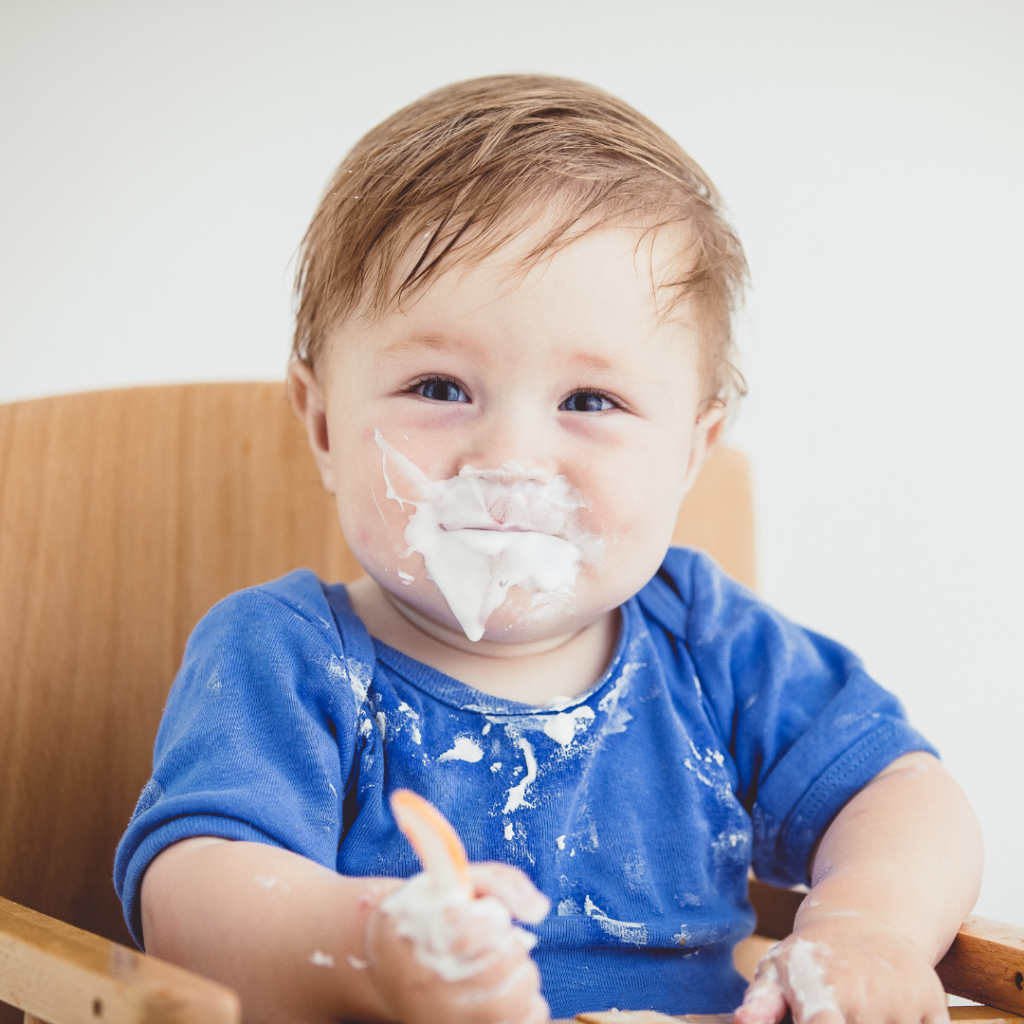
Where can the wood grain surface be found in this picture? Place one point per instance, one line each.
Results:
(775, 908)
(123, 517)
(718, 515)
(59, 973)
(986, 963)
(982, 1015)
(957, 1015)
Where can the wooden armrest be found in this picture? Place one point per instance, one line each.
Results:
(986, 964)
(65, 975)
(957, 1015)
(775, 908)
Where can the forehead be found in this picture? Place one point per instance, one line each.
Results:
(593, 301)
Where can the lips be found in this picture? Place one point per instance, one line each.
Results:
(527, 506)
(499, 528)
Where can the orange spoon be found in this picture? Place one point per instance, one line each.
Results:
(435, 841)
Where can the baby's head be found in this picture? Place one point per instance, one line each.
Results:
(513, 350)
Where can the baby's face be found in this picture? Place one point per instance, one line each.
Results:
(567, 381)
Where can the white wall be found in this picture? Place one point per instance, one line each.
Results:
(160, 162)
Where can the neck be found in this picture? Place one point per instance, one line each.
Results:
(478, 648)
(531, 672)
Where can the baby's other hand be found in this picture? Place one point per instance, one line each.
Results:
(463, 962)
(845, 968)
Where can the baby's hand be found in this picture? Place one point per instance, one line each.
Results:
(845, 968)
(459, 959)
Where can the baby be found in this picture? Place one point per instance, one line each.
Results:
(513, 354)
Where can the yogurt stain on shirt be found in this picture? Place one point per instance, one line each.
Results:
(634, 932)
(517, 792)
(562, 728)
(465, 748)
(413, 718)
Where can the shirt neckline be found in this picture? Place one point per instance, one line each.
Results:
(457, 694)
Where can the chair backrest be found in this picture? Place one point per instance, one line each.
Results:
(124, 515)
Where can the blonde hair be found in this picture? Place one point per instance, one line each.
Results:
(462, 171)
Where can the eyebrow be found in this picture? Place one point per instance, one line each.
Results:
(433, 341)
(589, 361)
(581, 361)
(586, 360)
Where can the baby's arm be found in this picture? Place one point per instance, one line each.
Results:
(893, 878)
(291, 937)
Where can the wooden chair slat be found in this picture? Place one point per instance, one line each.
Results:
(65, 975)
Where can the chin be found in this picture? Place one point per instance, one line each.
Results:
(525, 616)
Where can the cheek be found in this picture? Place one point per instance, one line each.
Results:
(635, 495)
(429, 442)
(365, 533)
(366, 539)
(373, 525)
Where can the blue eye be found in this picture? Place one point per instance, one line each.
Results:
(587, 401)
(441, 390)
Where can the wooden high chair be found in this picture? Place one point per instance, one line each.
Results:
(124, 515)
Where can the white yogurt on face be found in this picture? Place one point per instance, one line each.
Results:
(485, 531)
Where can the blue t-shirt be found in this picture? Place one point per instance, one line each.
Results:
(720, 736)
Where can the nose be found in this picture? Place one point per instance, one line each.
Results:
(512, 431)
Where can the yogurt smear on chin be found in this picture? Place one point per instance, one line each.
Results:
(483, 532)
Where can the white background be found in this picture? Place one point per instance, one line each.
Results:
(161, 161)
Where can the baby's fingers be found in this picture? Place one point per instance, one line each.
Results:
(484, 924)
(797, 970)
(763, 1002)
(536, 1011)
(502, 994)
(513, 888)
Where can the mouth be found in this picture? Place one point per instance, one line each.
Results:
(496, 528)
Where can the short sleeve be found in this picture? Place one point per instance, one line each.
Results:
(805, 724)
(258, 738)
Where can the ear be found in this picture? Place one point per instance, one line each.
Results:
(307, 398)
(706, 434)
